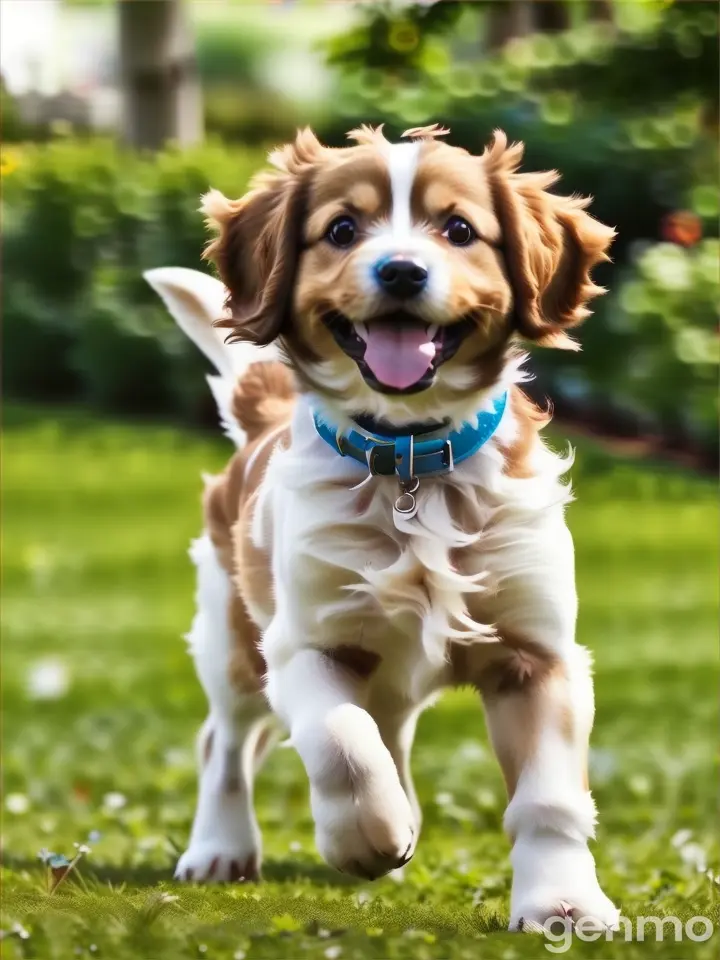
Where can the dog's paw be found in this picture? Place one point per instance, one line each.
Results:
(362, 837)
(213, 862)
(555, 886)
(550, 912)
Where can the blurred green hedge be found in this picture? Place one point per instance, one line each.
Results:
(82, 220)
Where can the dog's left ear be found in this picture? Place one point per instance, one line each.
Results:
(550, 246)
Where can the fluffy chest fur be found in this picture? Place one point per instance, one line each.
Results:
(345, 574)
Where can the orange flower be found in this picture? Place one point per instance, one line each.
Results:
(682, 227)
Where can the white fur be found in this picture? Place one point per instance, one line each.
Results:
(402, 162)
(224, 830)
(340, 577)
(399, 235)
(196, 300)
(224, 834)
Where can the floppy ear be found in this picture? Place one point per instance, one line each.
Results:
(256, 251)
(259, 239)
(550, 245)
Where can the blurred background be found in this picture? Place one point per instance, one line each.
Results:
(116, 116)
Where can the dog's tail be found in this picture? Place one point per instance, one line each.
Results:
(251, 393)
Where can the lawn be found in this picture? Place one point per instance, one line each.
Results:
(100, 709)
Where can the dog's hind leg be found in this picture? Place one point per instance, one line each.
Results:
(225, 839)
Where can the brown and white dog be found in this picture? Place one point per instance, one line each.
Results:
(389, 285)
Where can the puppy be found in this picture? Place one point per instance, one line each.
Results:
(391, 523)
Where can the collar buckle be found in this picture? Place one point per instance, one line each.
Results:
(341, 443)
(405, 459)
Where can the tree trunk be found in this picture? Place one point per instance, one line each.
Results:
(601, 10)
(552, 16)
(507, 19)
(161, 90)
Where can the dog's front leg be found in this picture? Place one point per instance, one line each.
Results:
(540, 727)
(364, 821)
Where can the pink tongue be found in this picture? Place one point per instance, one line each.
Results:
(398, 356)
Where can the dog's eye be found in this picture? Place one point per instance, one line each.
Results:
(342, 232)
(459, 232)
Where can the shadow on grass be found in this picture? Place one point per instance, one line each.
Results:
(274, 871)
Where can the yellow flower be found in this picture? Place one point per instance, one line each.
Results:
(8, 163)
(403, 37)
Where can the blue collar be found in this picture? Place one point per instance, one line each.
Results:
(417, 454)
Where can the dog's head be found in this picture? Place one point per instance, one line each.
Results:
(396, 276)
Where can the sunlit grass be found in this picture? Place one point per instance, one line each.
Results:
(100, 709)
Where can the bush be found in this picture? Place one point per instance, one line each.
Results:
(667, 322)
(81, 223)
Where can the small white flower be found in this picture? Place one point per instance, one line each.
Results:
(323, 934)
(681, 838)
(82, 848)
(333, 952)
(47, 679)
(17, 803)
(114, 801)
(177, 757)
(470, 750)
(363, 897)
(486, 799)
(693, 855)
(239, 955)
(295, 846)
(640, 785)
(20, 931)
(443, 799)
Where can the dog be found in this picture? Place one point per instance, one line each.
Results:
(391, 523)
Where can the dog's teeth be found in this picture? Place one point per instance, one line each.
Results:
(432, 330)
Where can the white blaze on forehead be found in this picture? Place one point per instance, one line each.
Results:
(402, 164)
(398, 236)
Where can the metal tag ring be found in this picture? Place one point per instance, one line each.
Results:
(405, 503)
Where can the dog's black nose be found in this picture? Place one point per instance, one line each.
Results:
(402, 277)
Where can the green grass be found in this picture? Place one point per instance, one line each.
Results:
(96, 523)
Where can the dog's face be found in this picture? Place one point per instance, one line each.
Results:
(396, 275)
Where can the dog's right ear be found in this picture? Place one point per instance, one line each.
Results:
(259, 240)
(256, 252)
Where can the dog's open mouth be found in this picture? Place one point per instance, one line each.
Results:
(398, 353)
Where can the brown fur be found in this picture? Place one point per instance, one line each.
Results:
(363, 663)
(256, 253)
(550, 245)
(524, 689)
(264, 396)
(530, 420)
(262, 402)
